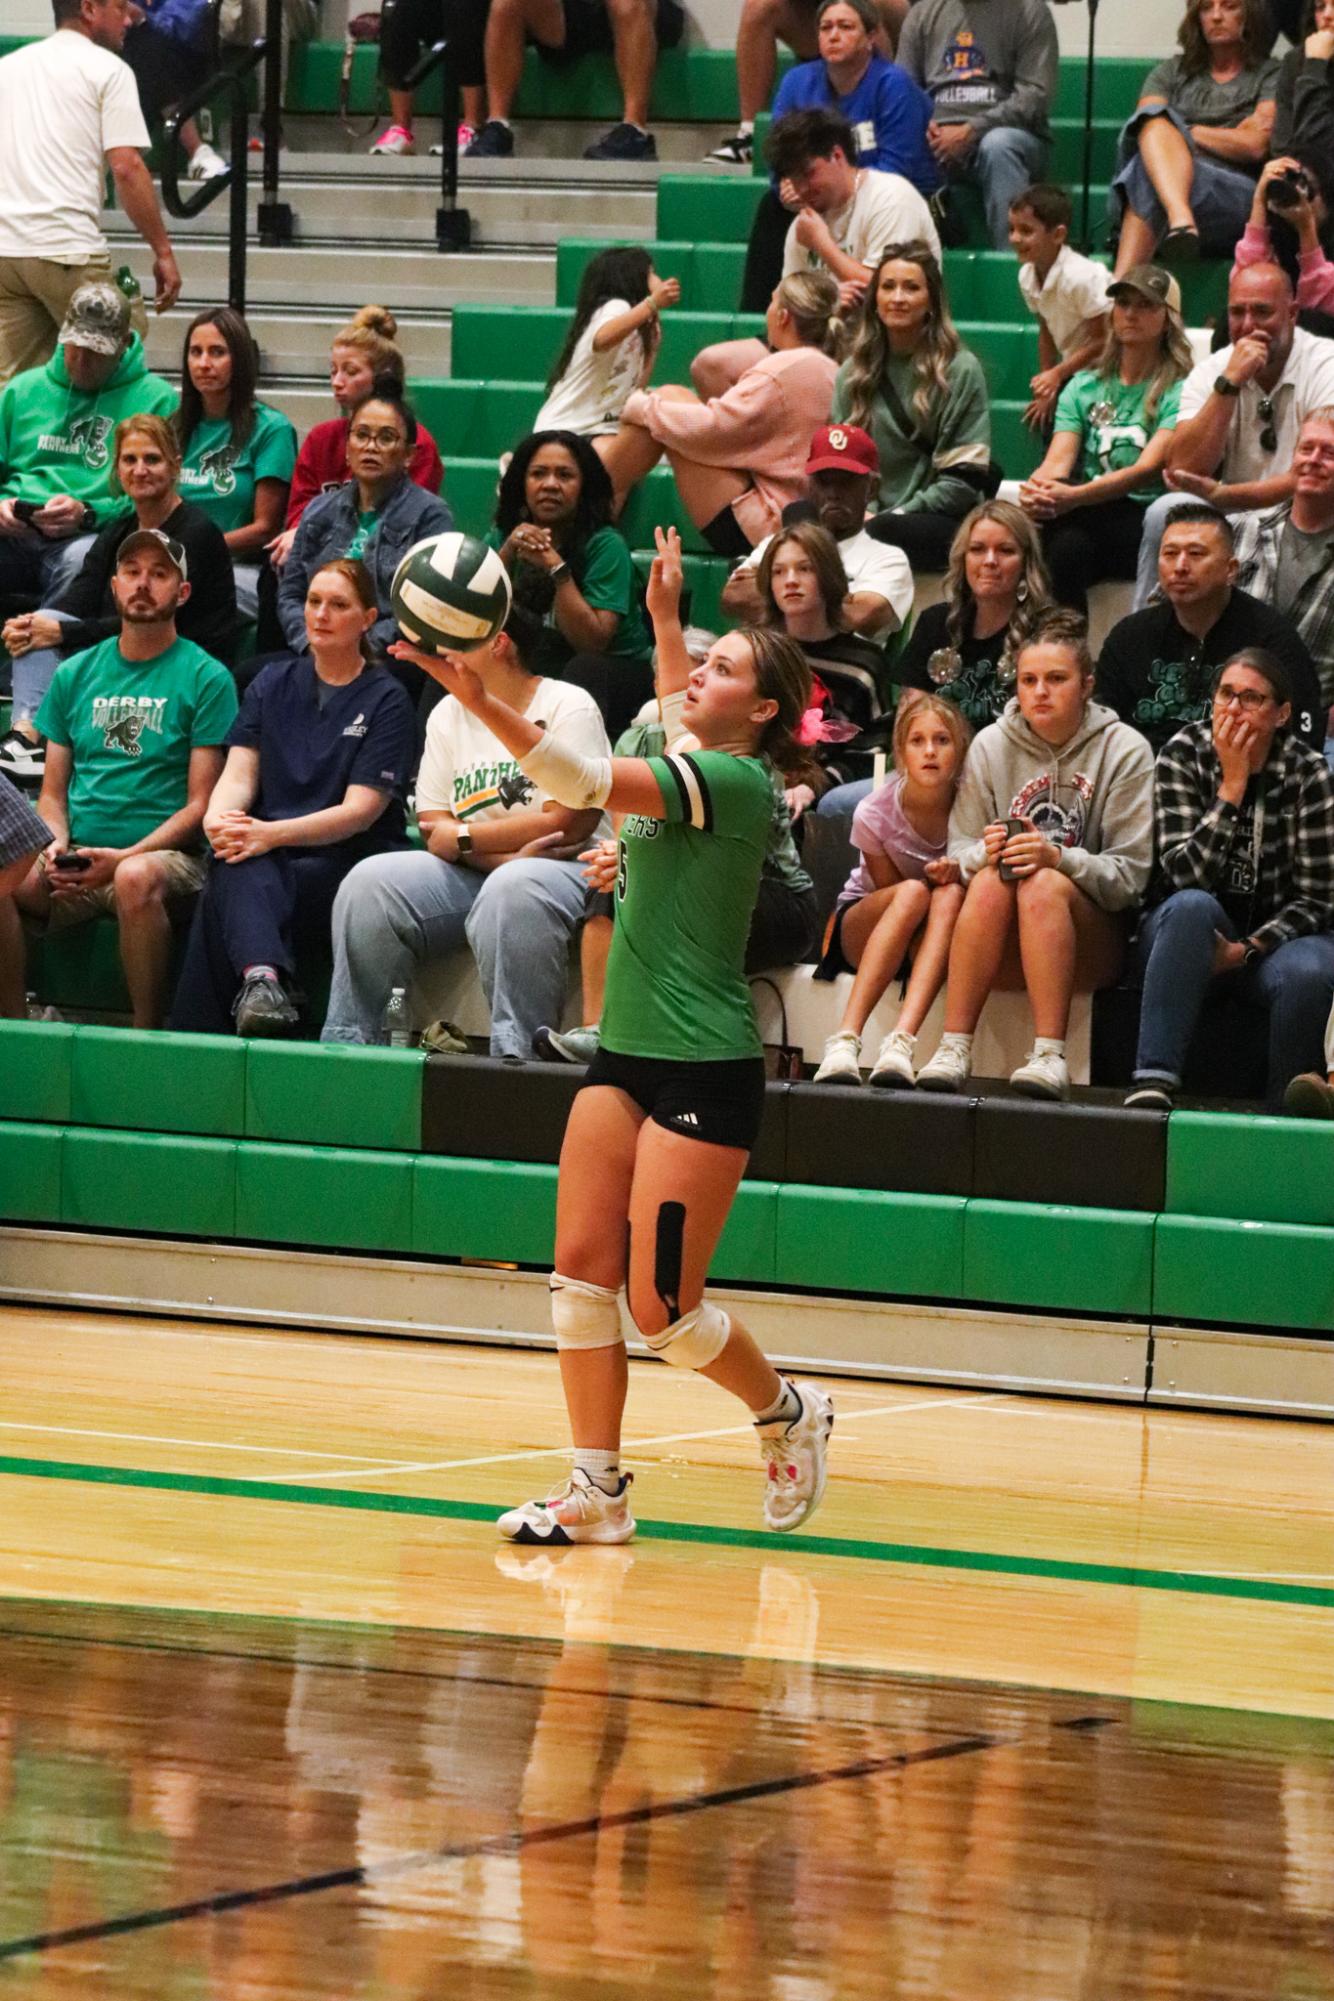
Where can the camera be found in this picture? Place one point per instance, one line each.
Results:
(1293, 185)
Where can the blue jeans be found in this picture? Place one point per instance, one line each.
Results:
(847, 798)
(1220, 196)
(34, 672)
(397, 911)
(1005, 161)
(1294, 984)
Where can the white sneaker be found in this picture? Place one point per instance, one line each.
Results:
(893, 1066)
(840, 1065)
(576, 1511)
(465, 136)
(795, 1455)
(948, 1070)
(21, 762)
(395, 139)
(1042, 1074)
(205, 164)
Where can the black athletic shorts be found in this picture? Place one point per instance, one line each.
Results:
(722, 1103)
(588, 28)
(725, 535)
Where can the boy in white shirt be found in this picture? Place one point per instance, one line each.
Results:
(500, 870)
(1066, 292)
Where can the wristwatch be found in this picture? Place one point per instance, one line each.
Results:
(464, 844)
(1252, 954)
(1223, 386)
(560, 573)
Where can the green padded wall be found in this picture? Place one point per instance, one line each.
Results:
(1247, 1274)
(175, 1186)
(1263, 1169)
(748, 1248)
(327, 1095)
(853, 1239)
(336, 1196)
(1094, 1261)
(158, 1082)
(496, 1209)
(30, 1172)
(35, 1061)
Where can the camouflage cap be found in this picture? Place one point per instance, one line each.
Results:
(98, 317)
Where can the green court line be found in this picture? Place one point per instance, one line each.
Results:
(923, 1555)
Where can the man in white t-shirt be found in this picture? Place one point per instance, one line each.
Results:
(1241, 410)
(500, 871)
(841, 474)
(69, 113)
(846, 215)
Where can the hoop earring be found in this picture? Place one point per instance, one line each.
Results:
(1021, 595)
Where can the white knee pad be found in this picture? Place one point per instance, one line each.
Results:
(695, 1340)
(584, 1315)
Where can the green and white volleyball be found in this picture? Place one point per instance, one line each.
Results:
(450, 592)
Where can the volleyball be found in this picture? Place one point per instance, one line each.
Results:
(450, 592)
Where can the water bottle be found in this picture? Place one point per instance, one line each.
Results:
(395, 1022)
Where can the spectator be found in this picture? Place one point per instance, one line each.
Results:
(363, 354)
(611, 345)
(884, 110)
(1065, 292)
(841, 469)
(801, 25)
(500, 872)
(633, 30)
(407, 29)
(22, 838)
(904, 895)
(317, 767)
(69, 115)
(1287, 190)
(990, 69)
(1245, 882)
(846, 214)
(996, 590)
(570, 566)
(1047, 904)
(237, 453)
(1304, 115)
(803, 587)
(134, 728)
(1197, 138)
(1241, 409)
(1157, 666)
(171, 49)
(912, 383)
(55, 442)
(1112, 433)
(738, 456)
(374, 519)
(1286, 557)
(146, 468)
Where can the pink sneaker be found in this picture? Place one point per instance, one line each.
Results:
(395, 139)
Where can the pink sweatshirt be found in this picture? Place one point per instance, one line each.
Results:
(762, 425)
(1315, 273)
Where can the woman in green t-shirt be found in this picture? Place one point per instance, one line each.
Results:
(659, 1136)
(569, 565)
(237, 453)
(1113, 428)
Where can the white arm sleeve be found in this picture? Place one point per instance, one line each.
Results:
(566, 775)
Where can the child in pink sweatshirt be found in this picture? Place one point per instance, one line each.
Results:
(1315, 273)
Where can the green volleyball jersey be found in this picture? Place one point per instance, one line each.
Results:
(676, 982)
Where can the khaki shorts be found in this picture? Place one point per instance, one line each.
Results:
(34, 297)
(184, 878)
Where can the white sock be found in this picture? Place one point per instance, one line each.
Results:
(1049, 1045)
(957, 1040)
(602, 1468)
(745, 128)
(785, 1408)
(260, 973)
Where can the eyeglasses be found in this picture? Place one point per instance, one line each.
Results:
(1249, 699)
(1268, 436)
(385, 439)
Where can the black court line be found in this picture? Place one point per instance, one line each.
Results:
(514, 1843)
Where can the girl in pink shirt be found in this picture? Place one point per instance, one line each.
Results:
(1315, 273)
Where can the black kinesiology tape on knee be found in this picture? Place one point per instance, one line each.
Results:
(668, 1253)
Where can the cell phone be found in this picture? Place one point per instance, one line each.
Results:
(23, 510)
(1012, 827)
(73, 864)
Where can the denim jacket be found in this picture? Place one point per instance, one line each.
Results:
(328, 528)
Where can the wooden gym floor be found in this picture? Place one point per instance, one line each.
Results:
(1042, 1707)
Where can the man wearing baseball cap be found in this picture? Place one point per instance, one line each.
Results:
(56, 429)
(841, 474)
(134, 729)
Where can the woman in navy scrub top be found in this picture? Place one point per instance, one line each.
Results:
(317, 767)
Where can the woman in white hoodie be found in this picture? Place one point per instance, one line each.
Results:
(1052, 828)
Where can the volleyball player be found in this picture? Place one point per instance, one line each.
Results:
(660, 1134)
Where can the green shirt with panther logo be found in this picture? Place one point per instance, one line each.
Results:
(676, 981)
(130, 727)
(55, 438)
(221, 477)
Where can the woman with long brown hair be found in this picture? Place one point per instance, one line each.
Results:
(996, 588)
(660, 1134)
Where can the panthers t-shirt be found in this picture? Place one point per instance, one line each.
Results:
(221, 477)
(467, 771)
(131, 726)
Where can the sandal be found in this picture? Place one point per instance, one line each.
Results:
(1180, 246)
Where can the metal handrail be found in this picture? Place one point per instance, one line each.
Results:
(453, 225)
(273, 218)
(231, 81)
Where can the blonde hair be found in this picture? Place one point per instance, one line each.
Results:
(935, 350)
(924, 702)
(371, 332)
(782, 675)
(159, 430)
(1062, 627)
(1034, 586)
(810, 299)
(1175, 359)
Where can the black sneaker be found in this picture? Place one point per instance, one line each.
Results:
(495, 141)
(22, 762)
(738, 151)
(623, 142)
(1150, 1096)
(263, 1007)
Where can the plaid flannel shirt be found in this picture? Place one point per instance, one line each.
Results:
(1195, 829)
(1312, 610)
(21, 832)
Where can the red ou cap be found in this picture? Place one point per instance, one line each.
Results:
(843, 448)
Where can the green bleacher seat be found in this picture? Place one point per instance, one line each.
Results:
(522, 342)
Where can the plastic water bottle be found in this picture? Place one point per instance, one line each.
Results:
(394, 1021)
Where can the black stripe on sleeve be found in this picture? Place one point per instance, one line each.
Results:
(706, 797)
(687, 809)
